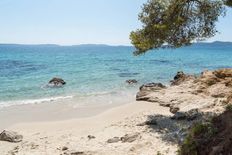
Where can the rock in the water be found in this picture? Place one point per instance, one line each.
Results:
(57, 82)
(131, 81)
(114, 140)
(129, 138)
(10, 136)
(147, 89)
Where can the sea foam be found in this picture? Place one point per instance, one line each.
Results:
(33, 101)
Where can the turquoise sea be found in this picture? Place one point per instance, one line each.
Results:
(97, 73)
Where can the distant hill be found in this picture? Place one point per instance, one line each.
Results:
(216, 43)
(55, 45)
(194, 45)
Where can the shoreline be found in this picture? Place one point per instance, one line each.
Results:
(48, 137)
(157, 124)
(49, 112)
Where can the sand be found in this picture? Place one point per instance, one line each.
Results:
(47, 129)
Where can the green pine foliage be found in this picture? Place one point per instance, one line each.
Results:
(176, 23)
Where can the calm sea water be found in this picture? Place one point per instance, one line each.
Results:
(96, 73)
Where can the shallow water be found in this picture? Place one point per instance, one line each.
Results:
(96, 74)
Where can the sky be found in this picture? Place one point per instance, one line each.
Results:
(72, 22)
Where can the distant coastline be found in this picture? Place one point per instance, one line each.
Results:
(218, 43)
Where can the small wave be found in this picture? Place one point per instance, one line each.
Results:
(33, 101)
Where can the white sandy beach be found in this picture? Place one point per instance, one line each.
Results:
(48, 137)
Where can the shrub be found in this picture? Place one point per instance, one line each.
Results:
(229, 107)
(198, 134)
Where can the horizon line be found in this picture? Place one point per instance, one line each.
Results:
(98, 44)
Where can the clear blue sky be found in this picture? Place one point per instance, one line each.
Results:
(69, 22)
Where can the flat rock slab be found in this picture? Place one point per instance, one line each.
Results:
(10, 136)
(129, 138)
(114, 140)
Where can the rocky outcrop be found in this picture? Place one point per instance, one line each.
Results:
(147, 89)
(192, 100)
(10, 136)
(180, 77)
(131, 81)
(223, 73)
(210, 89)
(56, 82)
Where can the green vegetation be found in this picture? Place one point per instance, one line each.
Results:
(229, 107)
(176, 23)
(158, 153)
(198, 134)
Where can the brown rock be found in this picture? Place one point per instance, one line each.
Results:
(129, 138)
(91, 137)
(114, 140)
(64, 148)
(146, 89)
(78, 153)
(223, 73)
(174, 109)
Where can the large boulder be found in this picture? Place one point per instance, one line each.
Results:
(10, 136)
(57, 82)
(146, 89)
